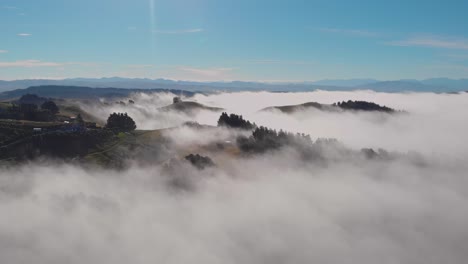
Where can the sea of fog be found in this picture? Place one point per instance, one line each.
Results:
(269, 208)
(433, 123)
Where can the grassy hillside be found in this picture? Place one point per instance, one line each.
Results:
(67, 110)
(126, 146)
(5, 105)
(102, 147)
(12, 130)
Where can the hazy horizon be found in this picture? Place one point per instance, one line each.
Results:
(235, 80)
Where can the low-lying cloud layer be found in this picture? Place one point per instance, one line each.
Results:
(434, 123)
(269, 208)
(265, 210)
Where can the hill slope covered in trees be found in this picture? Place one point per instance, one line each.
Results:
(336, 107)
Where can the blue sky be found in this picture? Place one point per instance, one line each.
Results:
(207, 40)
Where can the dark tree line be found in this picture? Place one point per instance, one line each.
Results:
(27, 112)
(120, 122)
(27, 108)
(50, 106)
(235, 121)
(265, 139)
(200, 162)
(262, 138)
(363, 106)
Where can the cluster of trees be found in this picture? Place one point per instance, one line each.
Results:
(32, 102)
(264, 139)
(50, 106)
(123, 103)
(363, 106)
(381, 154)
(235, 121)
(200, 162)
(31, 111)
(120, 122)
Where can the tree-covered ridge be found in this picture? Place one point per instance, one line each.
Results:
(294, 108)
(363, 106)
(335, 107)
(264, 139)
(27, 108)
(235, 121)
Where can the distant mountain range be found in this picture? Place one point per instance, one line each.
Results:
(345, 83)
(439, 85)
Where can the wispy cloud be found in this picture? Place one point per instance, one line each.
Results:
(11, 7)
(3, 51)
(181, 31)
(350, 32)
(30, 63)
(24, 34)
(432, 41)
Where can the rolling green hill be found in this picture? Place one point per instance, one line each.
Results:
(99, 147)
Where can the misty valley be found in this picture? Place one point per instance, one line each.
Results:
(232, 177)
(233, 132)
(35, 127)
